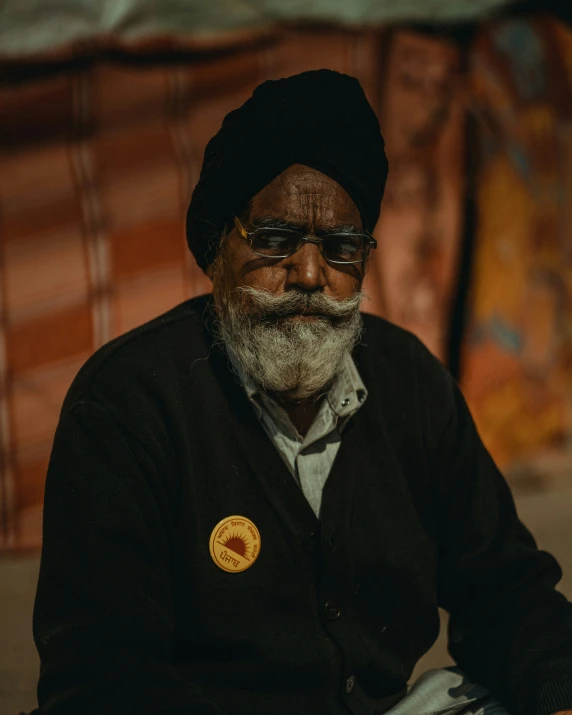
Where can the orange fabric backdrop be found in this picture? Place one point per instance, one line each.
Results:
(96, 170)
(97, 165)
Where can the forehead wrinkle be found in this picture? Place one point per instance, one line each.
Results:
(303, 222)
(307, 198)
(314, 209)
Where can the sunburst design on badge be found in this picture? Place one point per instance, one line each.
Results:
(237, 543)
(234, 544)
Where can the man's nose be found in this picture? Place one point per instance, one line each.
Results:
(306, 268)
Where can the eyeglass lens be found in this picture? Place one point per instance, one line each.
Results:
(280, 243)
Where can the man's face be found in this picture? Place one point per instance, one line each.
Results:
(288, 322)
(313, 203)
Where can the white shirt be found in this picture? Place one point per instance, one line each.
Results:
(310, 458)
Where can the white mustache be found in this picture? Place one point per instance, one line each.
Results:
(265, 305)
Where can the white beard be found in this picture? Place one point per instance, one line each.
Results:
(296, 357)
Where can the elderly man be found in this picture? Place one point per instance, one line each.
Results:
(257, 501)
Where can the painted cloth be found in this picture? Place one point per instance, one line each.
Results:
(517, 366)
(412, 280)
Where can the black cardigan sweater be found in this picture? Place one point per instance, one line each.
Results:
(157, 443)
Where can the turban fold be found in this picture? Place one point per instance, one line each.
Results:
(321, 119)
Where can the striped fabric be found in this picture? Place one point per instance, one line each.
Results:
(96, 168)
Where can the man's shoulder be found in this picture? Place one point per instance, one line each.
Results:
(392, 352)
(153, 347)
(387, 339)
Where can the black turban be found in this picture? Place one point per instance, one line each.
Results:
(321, 119)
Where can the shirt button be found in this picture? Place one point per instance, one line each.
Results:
(332, 610)
(350, 682)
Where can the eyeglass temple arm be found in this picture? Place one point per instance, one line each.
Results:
(240, 228)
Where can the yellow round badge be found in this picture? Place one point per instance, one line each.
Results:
(235, 544)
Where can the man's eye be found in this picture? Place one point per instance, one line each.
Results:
(274, 242)
(275, 239)
(346, 245)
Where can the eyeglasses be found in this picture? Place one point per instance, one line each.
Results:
(283, 242)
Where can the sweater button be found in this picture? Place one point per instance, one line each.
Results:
(332, 610)
(311, 544)
(350, 682)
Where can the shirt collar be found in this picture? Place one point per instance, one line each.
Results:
(348, 392)
(346, 395)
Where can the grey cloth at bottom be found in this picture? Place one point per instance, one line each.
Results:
(447, 691)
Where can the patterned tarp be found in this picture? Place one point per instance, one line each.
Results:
(517, 366)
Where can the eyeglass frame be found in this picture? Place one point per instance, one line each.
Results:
(249, 236)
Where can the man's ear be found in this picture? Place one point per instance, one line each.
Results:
(219, 257)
